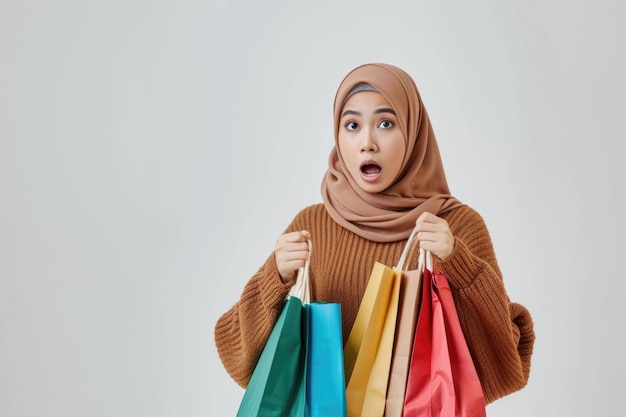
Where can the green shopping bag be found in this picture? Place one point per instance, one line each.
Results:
(277, 387)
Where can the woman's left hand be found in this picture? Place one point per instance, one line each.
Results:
(434, 235)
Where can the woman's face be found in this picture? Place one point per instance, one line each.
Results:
(370, 141)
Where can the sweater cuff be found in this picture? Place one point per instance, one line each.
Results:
(460, 268)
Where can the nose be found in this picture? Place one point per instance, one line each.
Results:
(368, 141)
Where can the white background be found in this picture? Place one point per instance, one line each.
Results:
(152, 151)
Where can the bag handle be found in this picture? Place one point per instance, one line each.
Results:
(428, 261)
(424, 259)
(301, 288)
(407, 247)
(402, 262)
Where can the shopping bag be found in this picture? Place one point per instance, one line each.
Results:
(277, 387)
(300, 372)
(279, 373)
(405, 332)
(325, 379)
(369, 350)
(442, 377)
(370, 343)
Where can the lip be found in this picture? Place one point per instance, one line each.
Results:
(370, 177)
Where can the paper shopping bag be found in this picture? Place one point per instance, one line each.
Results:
(279, 374)
(325, 379)
(405, 334)
(369, 349)
(442, 377)
(277, 387)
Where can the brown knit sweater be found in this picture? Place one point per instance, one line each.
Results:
(499, 333)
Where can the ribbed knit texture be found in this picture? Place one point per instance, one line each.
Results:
(499, 333)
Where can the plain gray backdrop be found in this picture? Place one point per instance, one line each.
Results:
(152, 151)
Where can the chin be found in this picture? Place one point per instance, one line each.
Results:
(371, 188)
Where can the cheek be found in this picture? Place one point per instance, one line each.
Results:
(347, 154)
(341, 145)
(344, 148)
(398, 151)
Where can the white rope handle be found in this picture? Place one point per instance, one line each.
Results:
(428, 263)
(424, 259)
(403, 257)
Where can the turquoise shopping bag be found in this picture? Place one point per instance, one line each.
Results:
(325, 379)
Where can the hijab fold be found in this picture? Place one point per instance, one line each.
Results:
(421, 184)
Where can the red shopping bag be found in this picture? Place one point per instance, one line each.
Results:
(442, 376)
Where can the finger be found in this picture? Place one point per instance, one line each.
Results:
(432, 247)
(300, 236)
(441, 227)
(428, 237)
(287, 270)
(292, 250)
(296, 254)
(293, 264)
(427, 217)
(427, 227)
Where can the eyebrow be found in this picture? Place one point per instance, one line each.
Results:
(385, 110)
(377, 111)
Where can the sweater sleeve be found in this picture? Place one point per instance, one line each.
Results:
(241, 332)
(499, 333)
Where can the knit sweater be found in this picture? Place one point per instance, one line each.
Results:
(499, 333)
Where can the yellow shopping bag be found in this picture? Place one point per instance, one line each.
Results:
(370, 344)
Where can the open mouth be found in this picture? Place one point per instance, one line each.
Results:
(370, 169)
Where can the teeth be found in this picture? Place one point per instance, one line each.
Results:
(370, 169)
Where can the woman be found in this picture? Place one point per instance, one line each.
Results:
(385, 178)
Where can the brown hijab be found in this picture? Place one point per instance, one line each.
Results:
(421, 185)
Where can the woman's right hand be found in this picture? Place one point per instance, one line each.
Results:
(291, 252)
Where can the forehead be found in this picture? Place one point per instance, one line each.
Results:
(366, 100)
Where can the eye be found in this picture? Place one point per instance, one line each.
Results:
(385, 124)
(352, 126)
